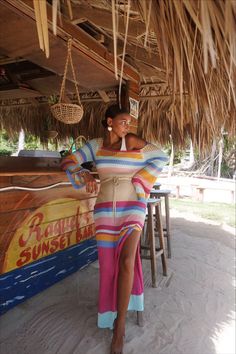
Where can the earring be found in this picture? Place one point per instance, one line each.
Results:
(109, 129)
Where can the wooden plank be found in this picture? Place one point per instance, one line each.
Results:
(11, 221)
(19, 163)
(18, 200)
(83, 43)
(18, 93)
(103, 18)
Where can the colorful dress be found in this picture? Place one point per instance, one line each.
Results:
(126, 178)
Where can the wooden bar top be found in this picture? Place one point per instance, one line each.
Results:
(30, 166)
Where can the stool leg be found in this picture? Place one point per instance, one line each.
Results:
(161, 239)
(140, 319)
(167, 209)
(152, 245)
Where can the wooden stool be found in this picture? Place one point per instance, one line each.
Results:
(148, 238)
(157, 185)
(164, 193)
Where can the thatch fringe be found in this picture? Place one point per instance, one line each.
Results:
(197, 45)
(35, 119)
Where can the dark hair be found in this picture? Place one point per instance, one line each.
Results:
(112, 112)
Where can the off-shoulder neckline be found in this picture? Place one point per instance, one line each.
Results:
(116, 150)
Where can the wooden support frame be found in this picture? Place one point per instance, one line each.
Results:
(82, 42)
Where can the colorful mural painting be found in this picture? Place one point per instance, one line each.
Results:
(44, 237)
(49, 229)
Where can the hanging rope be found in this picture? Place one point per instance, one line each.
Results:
(148, 22)
(114, 37)
(124, 48)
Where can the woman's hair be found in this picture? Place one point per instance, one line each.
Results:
(112, 112)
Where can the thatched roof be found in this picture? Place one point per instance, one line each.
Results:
(185, 53)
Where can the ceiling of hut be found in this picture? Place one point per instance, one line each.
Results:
(183, 50)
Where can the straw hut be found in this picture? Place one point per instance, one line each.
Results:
(177, 58)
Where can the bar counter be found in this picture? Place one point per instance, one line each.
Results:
(46, 227)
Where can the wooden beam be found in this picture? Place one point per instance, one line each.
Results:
(104, 96)
(103, 18)
(138, 53)
(18, 93)
(82, 42)
(161, 97)
(5, 61)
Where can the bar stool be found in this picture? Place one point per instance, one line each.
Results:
(148, 242)
(157, 185)
(164, 193)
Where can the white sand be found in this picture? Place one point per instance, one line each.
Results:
(191, 311)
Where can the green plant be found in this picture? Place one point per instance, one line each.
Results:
(4, 152)
(53, 99)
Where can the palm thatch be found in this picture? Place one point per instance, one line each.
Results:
(36, 119)
(196, 42)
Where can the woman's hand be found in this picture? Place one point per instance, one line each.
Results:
(90, 182)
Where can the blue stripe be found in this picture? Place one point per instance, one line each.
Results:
(123, 209)
(159, 158)
(106, 319)
(120, 162)
(106, 244)
(82, 153)
(91, 150)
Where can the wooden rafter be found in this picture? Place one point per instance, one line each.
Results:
(102, 18)
(83, 43)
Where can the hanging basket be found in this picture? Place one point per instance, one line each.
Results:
(68, 113)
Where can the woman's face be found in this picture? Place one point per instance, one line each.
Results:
(120, 124)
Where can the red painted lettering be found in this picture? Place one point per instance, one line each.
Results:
(62, 242)
(54, 245)
(34, 229)
(26, 254)
(36, 251)
(45, 248)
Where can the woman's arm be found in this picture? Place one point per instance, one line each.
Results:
(144, 179)
(78, 175)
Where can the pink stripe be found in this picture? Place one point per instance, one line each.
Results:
(117, 228)
(139, 181)
(109, 221)
(121, 204)
(109, 267)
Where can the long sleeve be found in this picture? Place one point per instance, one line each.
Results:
(145, 178)
(72, 163)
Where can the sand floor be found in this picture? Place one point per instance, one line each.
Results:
(190, 312)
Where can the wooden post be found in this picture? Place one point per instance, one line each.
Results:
(171, 163)
(130, 90)
(177, 191)
(221, 145)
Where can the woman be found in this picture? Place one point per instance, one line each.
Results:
(128, 167)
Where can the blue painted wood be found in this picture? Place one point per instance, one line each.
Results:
(22, 283)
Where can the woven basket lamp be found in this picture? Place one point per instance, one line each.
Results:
(68, 113)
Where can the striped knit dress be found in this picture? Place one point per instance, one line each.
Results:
(126, 178)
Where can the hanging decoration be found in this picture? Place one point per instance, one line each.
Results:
(68, 113)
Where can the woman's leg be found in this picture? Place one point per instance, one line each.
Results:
(125, 283)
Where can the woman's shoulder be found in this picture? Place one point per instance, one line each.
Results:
(133, 142)
(95, 142)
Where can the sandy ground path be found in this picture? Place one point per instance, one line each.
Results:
(190, 312)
